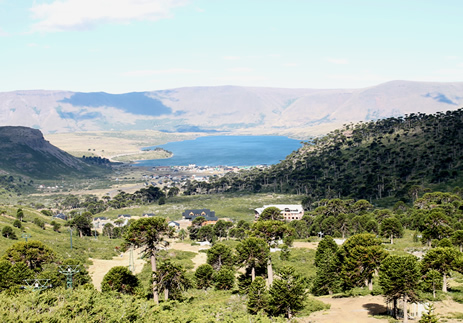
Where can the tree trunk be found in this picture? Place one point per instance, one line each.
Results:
(444, 283)
(166, 294)
(253, 273)
(433, 290)
(370, 284)
(155, 285)
(269, 271)
(405, 309)
(392, 239)
(394, 310)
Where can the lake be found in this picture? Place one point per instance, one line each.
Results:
(226, 151)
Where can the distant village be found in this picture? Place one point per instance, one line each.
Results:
(289, 212)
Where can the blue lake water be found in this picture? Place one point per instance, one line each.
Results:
(226, 150)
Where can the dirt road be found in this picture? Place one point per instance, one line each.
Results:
(100, 267)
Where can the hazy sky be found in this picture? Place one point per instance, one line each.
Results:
(141, 45)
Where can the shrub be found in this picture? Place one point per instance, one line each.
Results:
(17, 224)
(9, 233)
(121, 280)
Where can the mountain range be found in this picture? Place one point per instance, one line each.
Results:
(234, 109)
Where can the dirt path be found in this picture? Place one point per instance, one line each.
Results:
(308, 245)
(100, 267)
(353, 309)
(199, 259)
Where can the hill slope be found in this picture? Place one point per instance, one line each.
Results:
(244, 110)
(373, 160)
(24, 151)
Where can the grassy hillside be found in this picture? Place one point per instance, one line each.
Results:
(83, 248)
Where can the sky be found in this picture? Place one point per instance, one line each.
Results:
(119, 46)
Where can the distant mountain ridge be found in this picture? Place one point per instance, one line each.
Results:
(24, 151)
(234, 109)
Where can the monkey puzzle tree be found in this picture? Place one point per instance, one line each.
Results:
(271, 213)
(441, 259)
(220, 255)
(252, 252)
(33, 253)
(149, 234)
(272, 232)
(288, 293)
(359, 257)
(171, 279)
(399, 277)
(391, 227)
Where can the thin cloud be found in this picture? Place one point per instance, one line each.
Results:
(339, 61)
(240, 70)
(231, 58)
(3, 33)
(290, 65)
(85, 14)
(158, 72)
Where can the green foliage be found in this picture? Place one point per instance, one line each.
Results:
(46, 212)
(368, 160)
(271, 213)
(39, 222)
(327, 280)
(220, 255)
(204, 276)
(224, 279)
(287, 293)
(171, 280)
(391, 228)
(399, 277)
(252, 252)
(120, 279)
(33, 253)
(9, 233)
(17, 224)
(359, 257)
(429, 316)
(258, 296)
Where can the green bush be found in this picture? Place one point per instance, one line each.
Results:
(120, 279)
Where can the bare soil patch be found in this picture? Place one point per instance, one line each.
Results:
(349, 309)
(100, 267)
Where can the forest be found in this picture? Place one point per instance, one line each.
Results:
(376, 160)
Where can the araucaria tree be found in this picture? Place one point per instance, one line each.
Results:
(272, 232)
(441, 259)
(288, 293)
(252, 252)
(220, 255)
(399, 277)
(391, 228)
(172, 280)
(149, 234)
(360, 256)
(327, 279)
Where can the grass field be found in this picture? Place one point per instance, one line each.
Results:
(109, 144)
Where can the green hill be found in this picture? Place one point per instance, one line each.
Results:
(371, 160)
